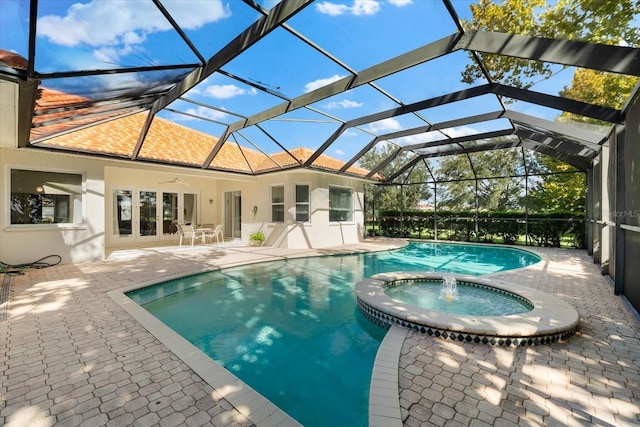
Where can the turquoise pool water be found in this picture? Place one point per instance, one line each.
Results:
(291, 329)
(468, 300)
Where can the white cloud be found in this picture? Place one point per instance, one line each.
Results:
(461, 131)
(384, 125)
(359, 7)
(320, 82)
(113, 23)
(365, 7)
(207, 113)
(344, 104)
(332, 9)
(106, 54)
(112, 55)
(339, 152)
(117, 82)
(419, 138)
(132, 37)
(426, 137)
(227, 91)
(432, 136)
(400, 3)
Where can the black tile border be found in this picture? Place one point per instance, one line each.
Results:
(550, 320)
(386, 320)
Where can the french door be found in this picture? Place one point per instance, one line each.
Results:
(146, 215)
(233, 214)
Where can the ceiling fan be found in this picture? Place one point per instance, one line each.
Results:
(175, 180)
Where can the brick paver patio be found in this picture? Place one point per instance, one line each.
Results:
(592, 379)
(71, 356)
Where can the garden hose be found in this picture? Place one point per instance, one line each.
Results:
(19, 268)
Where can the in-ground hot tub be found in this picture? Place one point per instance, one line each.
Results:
(548, 320)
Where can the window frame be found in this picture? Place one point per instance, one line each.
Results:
(78, 215)
(350, 210)
(277, 204)
(307, 203)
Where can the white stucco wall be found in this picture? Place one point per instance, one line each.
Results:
(73, 242)
(77, 243)
(157, 178)
(318, 232)
(94, 236)
(8, 114)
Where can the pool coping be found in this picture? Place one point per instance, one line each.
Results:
(384, 391)
(551, 319)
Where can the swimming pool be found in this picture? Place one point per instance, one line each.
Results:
(290, 329)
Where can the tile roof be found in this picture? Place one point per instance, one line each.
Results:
(57, 112)
(165, 142)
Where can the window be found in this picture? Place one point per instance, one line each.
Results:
(123, 214)
(340, 205)
(277, 203)
(302, 203)
(39, 197)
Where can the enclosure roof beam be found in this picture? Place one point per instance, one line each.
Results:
(564, 104)
(394, 65)
(410, 108)
(258, 30)
(615, 59)
(404, 168)
(453, 151)
(384, 163)
(577, 162)
(443, 125)
(465, 138)
(359, 154)
(587, 138)
(606, 114)
(559, 144)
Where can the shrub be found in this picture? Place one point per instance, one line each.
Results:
(544, 229)
(257, 236)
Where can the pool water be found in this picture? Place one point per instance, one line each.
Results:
(291, 329)
(469, 300)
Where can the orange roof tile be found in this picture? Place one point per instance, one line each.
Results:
(170, 142)
(57, 112)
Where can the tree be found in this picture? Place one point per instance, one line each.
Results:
(562, 191)
(389, 196)
(595, 21)
(498, 188)
(600, 88)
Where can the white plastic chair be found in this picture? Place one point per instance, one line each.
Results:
(188, 232)
(216, 232)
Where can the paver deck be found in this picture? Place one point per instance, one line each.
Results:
(72, 356)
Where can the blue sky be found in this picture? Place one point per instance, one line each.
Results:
(87, 35)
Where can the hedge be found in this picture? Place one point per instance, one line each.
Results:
(544, 229)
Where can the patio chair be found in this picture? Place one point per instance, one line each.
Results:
(216, 232)
(188, 232)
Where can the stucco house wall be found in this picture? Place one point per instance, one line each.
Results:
(318, 231)
(21, 244)
(92, 237)
(95, 236)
